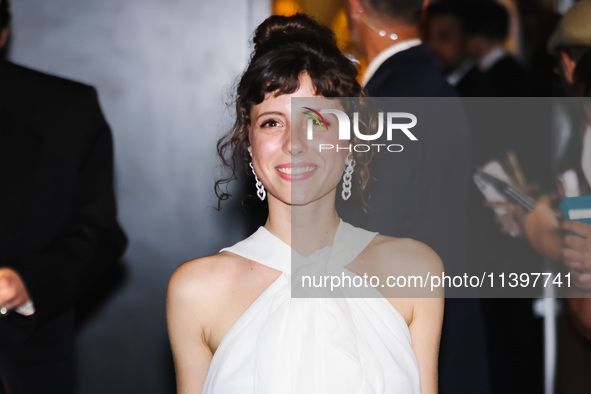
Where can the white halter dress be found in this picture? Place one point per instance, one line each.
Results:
(313, 345)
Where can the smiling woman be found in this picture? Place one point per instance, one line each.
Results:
(233, 324)
(284, 159)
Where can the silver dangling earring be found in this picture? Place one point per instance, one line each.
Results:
(260, 188)
(347, 177)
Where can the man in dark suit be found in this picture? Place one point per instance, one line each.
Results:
(58, 227)
(445, 36)
(487, 28)
(421, 193)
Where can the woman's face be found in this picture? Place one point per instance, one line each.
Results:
(290, 166)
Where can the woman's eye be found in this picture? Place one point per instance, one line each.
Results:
(271, 123)
(321, 124)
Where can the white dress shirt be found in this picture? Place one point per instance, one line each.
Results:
(492, 58)
(456, 76)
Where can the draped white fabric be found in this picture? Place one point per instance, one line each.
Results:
(313, 345)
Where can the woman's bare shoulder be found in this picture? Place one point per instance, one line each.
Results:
(206, 277)
(403, 252)
(218, 279)
(400, 267)
(390, 258)
(220, 266)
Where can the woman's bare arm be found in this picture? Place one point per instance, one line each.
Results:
(425, 331)
(187, 316)
(427, 314)
(424, 316)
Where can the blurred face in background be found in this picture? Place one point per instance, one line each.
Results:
(445, 39)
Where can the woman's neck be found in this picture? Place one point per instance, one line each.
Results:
(305, 228)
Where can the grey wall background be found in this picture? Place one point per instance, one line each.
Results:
(164, 71)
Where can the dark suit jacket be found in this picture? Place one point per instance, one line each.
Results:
(508, 78)
(421, 193)
(410, 73)
(58, 226)
(474, 84)
(423, 189)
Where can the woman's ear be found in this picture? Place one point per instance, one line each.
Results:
(250, 150)
(349, 156)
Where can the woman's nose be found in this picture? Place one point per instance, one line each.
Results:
(296, 142)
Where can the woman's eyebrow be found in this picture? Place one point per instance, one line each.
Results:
(270, 113)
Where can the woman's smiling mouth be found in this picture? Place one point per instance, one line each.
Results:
(296, 172)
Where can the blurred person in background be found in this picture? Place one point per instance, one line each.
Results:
(576, 249)
(400, 65)
(571, 43)
(387, 34)
(445, 36)
(487, 28)
(566, 240)
(570, 40)
(477, 64)
(58, 229)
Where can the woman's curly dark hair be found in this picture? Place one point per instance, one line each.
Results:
(284, 48)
